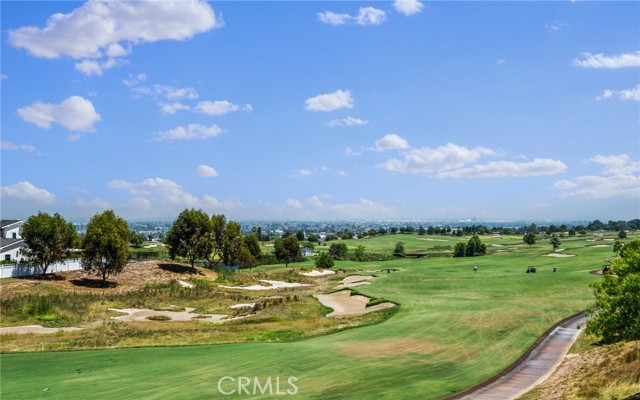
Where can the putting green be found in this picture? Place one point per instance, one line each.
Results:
(454, 328)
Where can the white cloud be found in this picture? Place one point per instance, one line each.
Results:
(303, 172)
(207, 171)
(75, 113)
(342, 173)
(28, 192)
(220, 107)
(96, 205)
(430, 161)
(330, 101)
(163, 91)
(3, 77)
(99, 29)
(610, 62)
(600, 187)
(191, 131)
(408, 7)
(556, 26)
(6, 145)
(501, 61)
(390, 142)
(626, 94)
(349, 121)
(159, 189)
(293, 204)
(349, 152)
(331, 18)
(495, 169)
(616, 165)
(370, 16)
(362, 209)
(91, 67)
(172, 108)
(212, 204)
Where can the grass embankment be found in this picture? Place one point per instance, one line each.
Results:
(454, 329)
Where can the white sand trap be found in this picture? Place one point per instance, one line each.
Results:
(315, 273)
(243, 305)
(274, 285)
(559, 255)
(602, 245)
(35, 329)
(432, 239)
(143, 314)
(354, 281)
(345, 305)
(185, 284)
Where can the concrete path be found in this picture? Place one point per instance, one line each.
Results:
(541, 363)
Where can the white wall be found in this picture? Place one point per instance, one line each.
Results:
(15, 270)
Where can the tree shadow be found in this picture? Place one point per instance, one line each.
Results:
(93, 283)
(179, 269)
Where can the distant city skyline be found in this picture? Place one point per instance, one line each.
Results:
(321, 111)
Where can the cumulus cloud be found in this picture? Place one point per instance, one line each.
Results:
(430, 161)
(616, 165)
(28, 192)
(626, 94)
(190, 132)
(556, 26)
(108, 29)
(496, 169)
(75, 113)
(350, 152)
(6, 145)
(365, 16)
(349, 121)
(304, 172)
(408, 7)
(164, 91)
(220, 107)
(601, 187)
(330, 101)
(390, 142)
(96, 205)
(172, 108)
(293, 204)
(215, 205)
(207, 171)
(91, 67)
(608, 62)
(158, 189)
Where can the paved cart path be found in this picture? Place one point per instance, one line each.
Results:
(541, 363)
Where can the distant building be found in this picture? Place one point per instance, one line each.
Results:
(11, 242)
(306, 252)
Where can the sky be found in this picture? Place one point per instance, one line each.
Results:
(321, 110)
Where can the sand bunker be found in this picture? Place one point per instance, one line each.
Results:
(346, 305)
(559, 255)
(601, 245)
(143, 314)
(35, 329)
(431, 239)
(274, 285)
(315, 273)
(243, 305)
(185, 284)
(354, 281)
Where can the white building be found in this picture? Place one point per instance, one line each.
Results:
(11, 242)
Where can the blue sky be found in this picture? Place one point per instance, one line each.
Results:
(322, 110)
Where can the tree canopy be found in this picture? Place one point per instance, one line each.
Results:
(191, 236)
(615, 315)
(324, 261)
(48, 238)
(106, 244)
(287, 249)
(338, 250)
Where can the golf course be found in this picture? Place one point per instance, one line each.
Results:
(453, 328)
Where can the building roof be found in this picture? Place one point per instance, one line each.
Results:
(8, 222)
(10, 243)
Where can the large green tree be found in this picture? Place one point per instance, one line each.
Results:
(324, 261)
(287, 249)
(106, 244)
(399, 251)
(191, 236)
(555, 242)
(615, 315)
(475, 247)
(219, 225)
(529, 238)
(49, 239)
(338, 250)
(232, 244)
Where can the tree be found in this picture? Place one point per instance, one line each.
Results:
(106, 244)
(421, 231)
(218, 226)
(617, 246)
(555, 242)
(136, 239)
(359, 254)
(622, 234)
(475, 247)
(338, 250)
(191, 236)
(231, 243)
(529, 238)
(324, 261)
(252, 244)
(460, 249)
(615, 315)
(48, 239)
(398, 251)
(287, 249)
(300, 235)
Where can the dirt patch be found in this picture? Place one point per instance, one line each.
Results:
(391, 347)
(272, 285)
(21, 330)
(346, 305)
(134, 277)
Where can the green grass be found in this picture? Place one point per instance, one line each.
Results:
(453, 329)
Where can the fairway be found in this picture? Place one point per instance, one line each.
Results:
(454, 328)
